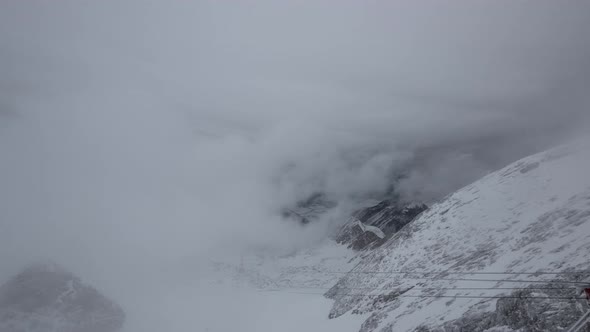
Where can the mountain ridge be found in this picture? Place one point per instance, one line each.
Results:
(532, 215)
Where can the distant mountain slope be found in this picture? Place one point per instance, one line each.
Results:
(44, 297)
(310, 209)
(314, 268)
(533, 215)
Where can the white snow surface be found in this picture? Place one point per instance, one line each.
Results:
(229, 308)
(317, 268)
(252, 294)
(533, 215)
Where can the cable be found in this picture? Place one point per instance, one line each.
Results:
(460, 273)
(430, 288)
(456, 296)
(565, 282)
(509, 280)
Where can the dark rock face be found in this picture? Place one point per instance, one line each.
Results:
(540, 314)
(310, 209)
(360, 239)
(388, 216)
(47, 298)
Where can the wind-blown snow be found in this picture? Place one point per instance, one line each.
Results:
(369, 228)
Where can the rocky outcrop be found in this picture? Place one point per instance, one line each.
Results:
(309, 209)
(539, 309)
(47, 298)
(372, 226)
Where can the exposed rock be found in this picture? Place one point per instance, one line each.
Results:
(364, 230)
(47, 298)
(310, 209)
(520, 312)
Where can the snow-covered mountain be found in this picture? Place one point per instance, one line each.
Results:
(45, 297)
(503, 254)
(446, 270)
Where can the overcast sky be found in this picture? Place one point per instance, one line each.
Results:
(142, 131)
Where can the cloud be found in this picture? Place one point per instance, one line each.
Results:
(149, 131)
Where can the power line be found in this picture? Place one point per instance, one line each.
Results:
(565, 282)
(454, 296)
(425, 276)
(549, 281)
(428, 288)
(460, 273)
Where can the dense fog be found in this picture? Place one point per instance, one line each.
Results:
(142, 136)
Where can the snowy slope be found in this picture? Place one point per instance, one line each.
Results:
(249, 294)
(317, 268)
(45, 297)
(256, 293)
(533, 215)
